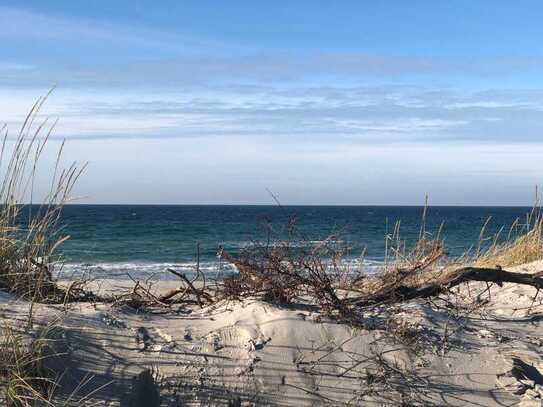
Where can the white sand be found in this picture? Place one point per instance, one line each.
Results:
(268, 355)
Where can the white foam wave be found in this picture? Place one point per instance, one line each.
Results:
(122, 270)
(125, 270)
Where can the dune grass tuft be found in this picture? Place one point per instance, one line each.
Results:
(523, 245)
(29, 233)
(24, 380)
(29, 236)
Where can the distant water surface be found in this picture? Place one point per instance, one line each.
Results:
(116, 240)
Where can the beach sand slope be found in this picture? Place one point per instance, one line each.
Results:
(256, 353)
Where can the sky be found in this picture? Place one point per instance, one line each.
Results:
(320, 102)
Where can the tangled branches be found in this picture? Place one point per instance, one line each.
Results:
(291, 271)
(284, 273)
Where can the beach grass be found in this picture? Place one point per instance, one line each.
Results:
(24, 379)
(29, 236)
(523, 244)
(27, 246)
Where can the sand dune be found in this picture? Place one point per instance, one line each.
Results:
(255, 353)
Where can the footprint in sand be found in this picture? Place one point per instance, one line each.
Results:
(215, 340)
(168, 342)
(258, 343)
(236, 338)
(153, 340)
(188, 334)
(111, 320)
(143, 339)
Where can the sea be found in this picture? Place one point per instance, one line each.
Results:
(137, 241)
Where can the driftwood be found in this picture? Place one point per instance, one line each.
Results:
(402, 293)
(279, 277)
(310, 279)
(325, 294)
(198, 293)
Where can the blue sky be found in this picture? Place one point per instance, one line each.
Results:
(322, 102)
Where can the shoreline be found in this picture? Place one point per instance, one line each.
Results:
(158, 270)
(253, 351)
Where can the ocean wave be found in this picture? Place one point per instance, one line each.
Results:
(158, 270)
(126, 270)
(247, 244)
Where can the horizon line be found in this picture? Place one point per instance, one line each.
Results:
(300, 205)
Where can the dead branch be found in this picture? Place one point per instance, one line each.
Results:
(197, 293)
(402, 292)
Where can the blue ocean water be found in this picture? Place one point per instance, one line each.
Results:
(117, 240)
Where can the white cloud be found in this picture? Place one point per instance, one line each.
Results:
(407, 126)
(272, 114)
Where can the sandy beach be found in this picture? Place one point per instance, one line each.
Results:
(254, 353)
(288, 203)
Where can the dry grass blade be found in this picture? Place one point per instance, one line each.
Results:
(23, 378)
(29, 235)
(525, 247)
